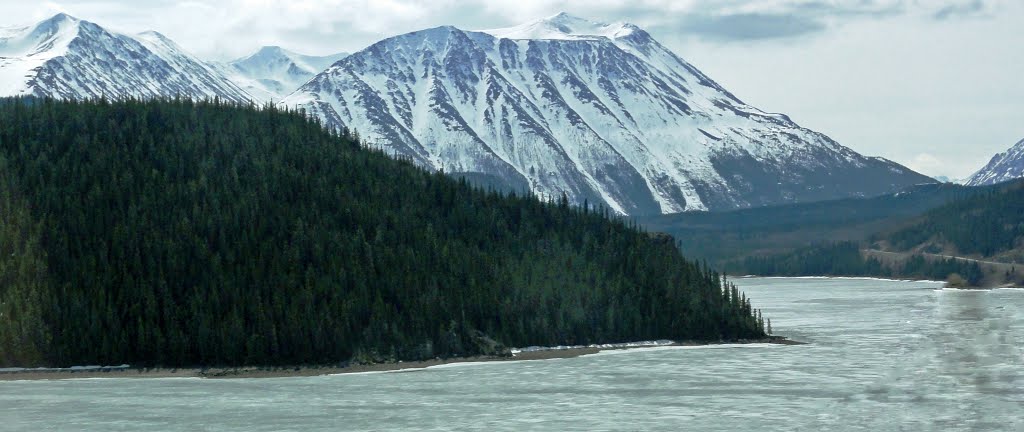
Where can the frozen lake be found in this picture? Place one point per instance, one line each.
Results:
(883, 355)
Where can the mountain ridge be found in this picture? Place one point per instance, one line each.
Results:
(1003, 167)
(605, 114)
(273, 72)
(69, 58)
(601, 113)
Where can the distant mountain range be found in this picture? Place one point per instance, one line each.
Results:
(67, 58)
(598, 112)
(274, 72)
(1005, 166)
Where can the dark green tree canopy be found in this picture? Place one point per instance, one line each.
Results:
(195, 233)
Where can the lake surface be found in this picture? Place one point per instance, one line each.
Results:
(883, 356)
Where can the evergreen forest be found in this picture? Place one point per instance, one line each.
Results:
(845, 258)
(989, 224)
(184, 233)
(723, 238)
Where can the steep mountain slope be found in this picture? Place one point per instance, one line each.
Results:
(67, 58)
(273, 72)
(599, 112)
(1003, 167)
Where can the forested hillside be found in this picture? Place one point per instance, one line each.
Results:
(194, 233)
(850, 259)
(726, 237)
(988, 225)
(977, 238)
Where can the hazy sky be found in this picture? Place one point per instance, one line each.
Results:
(933, 84)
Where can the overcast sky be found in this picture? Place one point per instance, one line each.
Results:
(933, 84)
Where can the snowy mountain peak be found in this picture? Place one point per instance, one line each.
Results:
(69, 58)
(600, 112)
(1005, 166)
(271, 50)
(156, 36)
(267, 54)
(23, 49)
(273, 72)
(37, 39)
(564, 26)
(61, 16)
(57, 21)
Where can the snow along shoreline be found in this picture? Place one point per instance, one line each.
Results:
(519, 354)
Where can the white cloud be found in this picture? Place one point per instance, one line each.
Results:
(926, 163)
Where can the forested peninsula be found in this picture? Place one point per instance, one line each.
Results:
(180, 233)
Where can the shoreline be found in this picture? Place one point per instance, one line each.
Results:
(869, 278)
(872, 278)
(323, 370)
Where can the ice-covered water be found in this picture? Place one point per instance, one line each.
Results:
(883, 355)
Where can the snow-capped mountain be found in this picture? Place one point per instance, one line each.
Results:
(273, 72)
(68, 58)
(1003, 167)
(600, 112)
